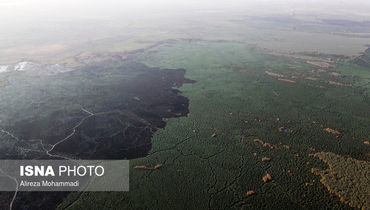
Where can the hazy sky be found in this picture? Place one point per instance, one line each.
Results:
(26, 23)
(15, 10)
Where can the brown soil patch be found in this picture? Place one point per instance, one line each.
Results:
(287, 80)
(267, 178)
(312, 78)
(250, 192)
(265, 159)
(332, 131)
(274, 74)
(339, 84)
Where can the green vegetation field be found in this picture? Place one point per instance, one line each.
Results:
(208, 157)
